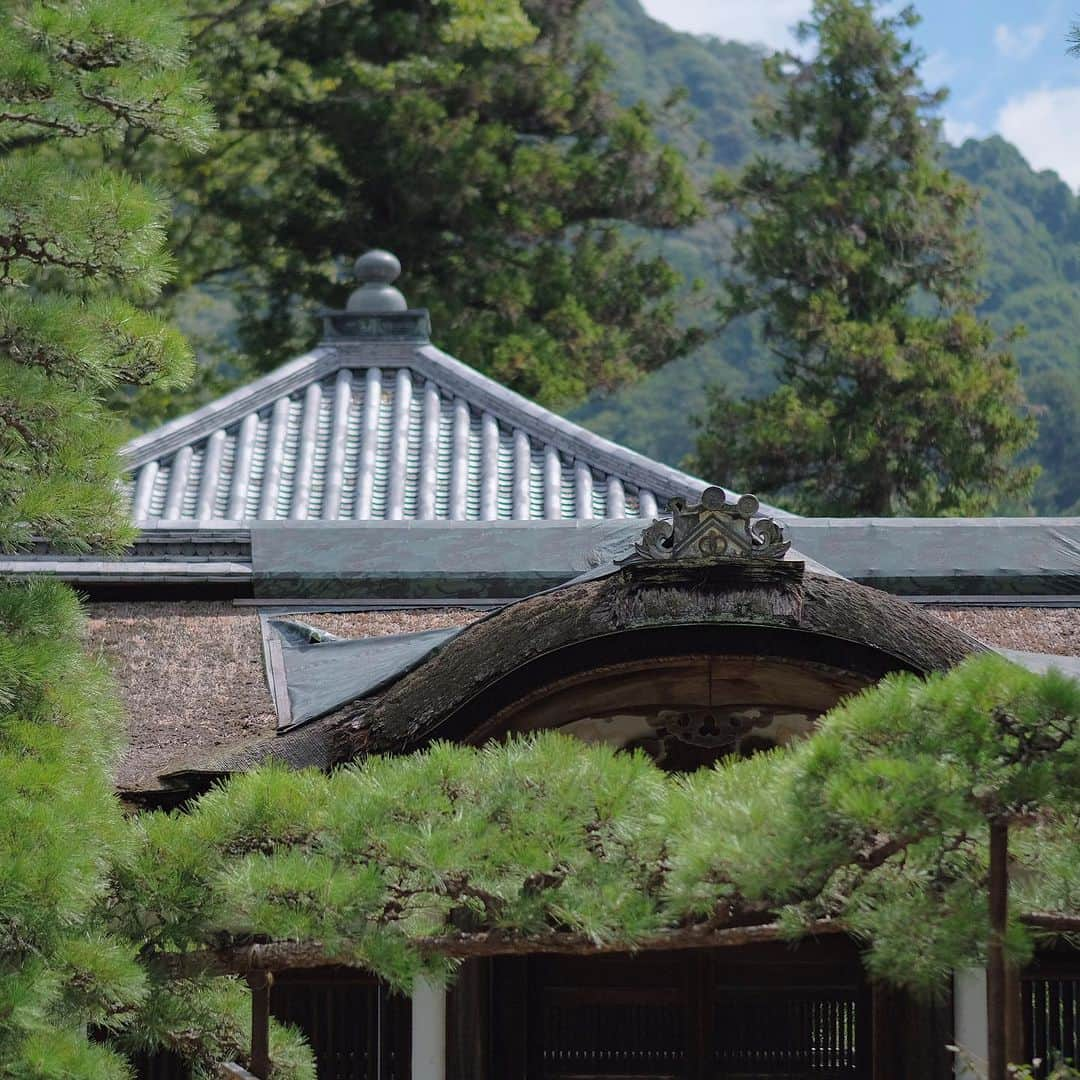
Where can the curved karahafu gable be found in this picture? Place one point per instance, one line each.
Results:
(745, 608)
(710, 635)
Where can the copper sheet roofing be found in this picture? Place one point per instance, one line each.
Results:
(378, 424)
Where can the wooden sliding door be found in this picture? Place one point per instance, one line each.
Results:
(771, 1013)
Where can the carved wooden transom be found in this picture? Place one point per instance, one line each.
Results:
(688, 711)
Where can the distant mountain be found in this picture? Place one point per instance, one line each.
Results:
(1030, 222)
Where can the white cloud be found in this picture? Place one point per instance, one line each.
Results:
(1021, 42)
(1042, 124)
(956, 131)
(762, 22)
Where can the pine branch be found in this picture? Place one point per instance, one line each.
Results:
(285, 956)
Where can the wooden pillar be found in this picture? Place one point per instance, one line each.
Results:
(997, 994)
(468, 1023)
(260, 983)
(970, 1019)
(1014, 1016)
(428, 1031)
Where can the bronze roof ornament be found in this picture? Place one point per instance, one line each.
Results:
(711, 529)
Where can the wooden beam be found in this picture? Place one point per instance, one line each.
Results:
(1052, 922)
(260, 983)
(1014, 1016)
(996, 982)
(286, 956)
(229, 1070)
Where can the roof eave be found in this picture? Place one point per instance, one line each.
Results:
(162, 441)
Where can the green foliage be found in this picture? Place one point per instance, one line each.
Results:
(79, 249)
(368, 861)
(878, 821)
(208, 1021)
(924, 766)
(1028, 223)
(60, 828)
(1056, 399)
(894, 397)
(82, 246)
(491, 160)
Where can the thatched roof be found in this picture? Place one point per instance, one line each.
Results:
(191, 674)
(754, 606)
(1034, 629)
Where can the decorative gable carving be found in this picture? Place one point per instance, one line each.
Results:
(712, 529)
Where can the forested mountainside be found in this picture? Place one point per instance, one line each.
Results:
(1030, 222)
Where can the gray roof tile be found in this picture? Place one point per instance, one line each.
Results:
(372, 427)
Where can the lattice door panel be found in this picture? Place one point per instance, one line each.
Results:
(1051, 1005)
(613, 1032)
(790, 1033)
(691, 1016)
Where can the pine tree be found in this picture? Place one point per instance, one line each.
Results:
(859, 250)
(902, 811)
(79, 249)
(887, 822)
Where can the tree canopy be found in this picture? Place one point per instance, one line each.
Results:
(82, 248)
(477, 142)
(1028, 223)
(893, 396)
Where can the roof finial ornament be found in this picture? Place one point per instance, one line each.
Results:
(711, 529)
(376, 270)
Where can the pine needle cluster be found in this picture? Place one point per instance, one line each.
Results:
(60, 828)
(82, 245)
(878, 822)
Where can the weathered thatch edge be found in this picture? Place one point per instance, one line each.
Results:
(306, 747)
(760, 596)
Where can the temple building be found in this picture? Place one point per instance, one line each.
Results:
(375, 546)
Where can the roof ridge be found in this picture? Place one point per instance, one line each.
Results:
(202, 433)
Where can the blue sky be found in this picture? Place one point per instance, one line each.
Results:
(1003, 60)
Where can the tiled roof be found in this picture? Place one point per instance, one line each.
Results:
(378, 424)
